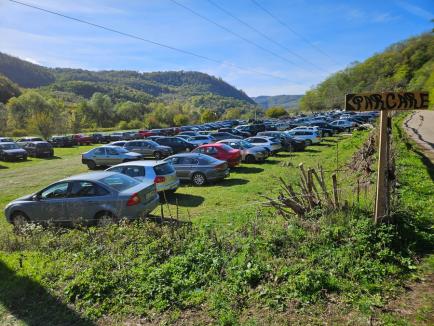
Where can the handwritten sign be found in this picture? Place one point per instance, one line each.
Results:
(387, 101)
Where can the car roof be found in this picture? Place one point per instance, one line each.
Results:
(91, 176)
(142, 163)
(209, 145)
(7, 143)
(196, 155)
(235, 140)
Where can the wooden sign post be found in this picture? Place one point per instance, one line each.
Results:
(385, 102)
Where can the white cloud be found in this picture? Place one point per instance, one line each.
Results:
(415, 10)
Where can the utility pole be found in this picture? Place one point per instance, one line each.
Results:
(382, 197)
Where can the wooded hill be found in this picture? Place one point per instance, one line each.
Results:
(404, 66)
(286, 101)
(121, 85)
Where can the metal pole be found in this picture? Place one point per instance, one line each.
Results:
(382, 197)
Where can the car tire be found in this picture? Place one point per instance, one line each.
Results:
(105, 219)
(198, 179)
(308, 142)
(19, 220)
(250, 159)
(158, 155)
(91, 165)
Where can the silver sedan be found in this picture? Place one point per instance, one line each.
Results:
(89, 198)
(249, 152)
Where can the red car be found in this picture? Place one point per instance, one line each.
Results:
(146, 133)
(82, 139)
(222, 152)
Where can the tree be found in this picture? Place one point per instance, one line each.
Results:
(8, 89)
(129, 111)
(102, 110)
(180, 119)
(3, 119)
(208, 116)
(233, 113)
(275, 112)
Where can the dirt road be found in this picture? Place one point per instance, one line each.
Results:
(420, 127)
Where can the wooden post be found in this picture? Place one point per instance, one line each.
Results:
(335, 190)
(382, 197)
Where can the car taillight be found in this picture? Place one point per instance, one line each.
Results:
(220, 167)
(134, 200)
(159, 179)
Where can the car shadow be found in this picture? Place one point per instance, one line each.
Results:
(247, 169)
(270, 161)
(29, 302)
(167, 220)
(311, 150)
(232, 182)
(184, 200)
(3, 167)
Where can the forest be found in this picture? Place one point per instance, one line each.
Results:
(404, 66)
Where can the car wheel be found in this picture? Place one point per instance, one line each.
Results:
(91, 165)
(157, 155)
(104, 219)
(19, 220)
(250, 159)
(198, 179)
(308, 142)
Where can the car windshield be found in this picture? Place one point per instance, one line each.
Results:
(121, 150)
(152, 143)
(163, 169)
(246, 144)
(8, 146)
(226, 147)
(119, 181)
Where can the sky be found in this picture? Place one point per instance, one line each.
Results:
(302, 43)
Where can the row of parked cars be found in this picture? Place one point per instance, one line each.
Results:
(130, 185)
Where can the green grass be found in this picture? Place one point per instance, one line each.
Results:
(237, 263)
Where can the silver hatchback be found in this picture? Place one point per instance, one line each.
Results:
(161, 173)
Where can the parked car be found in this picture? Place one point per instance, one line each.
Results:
(345, 124)
(271, 144)
(188, 133)
(148, 148)
(161, 173)
(108, 156)
(199, 140)
(222, 152)
(327, 126)
(288, 143)
(178, 145)
(99, 138)
(249, 152)
(224, 135)
(6, 140)
(61, 141)
(198, 168)
(80, 139)
(93, 198)
(119, 143)
(308, 136)
(251, 129)
(145, 133)
(236, 132)
(12, 152)
(23, 141)
(39, 149)
(116, 136)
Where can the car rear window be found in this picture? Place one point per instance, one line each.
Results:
(163, 169)
(119, 181)
(8, 146)
(43, 145)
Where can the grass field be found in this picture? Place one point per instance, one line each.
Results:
(238, 264)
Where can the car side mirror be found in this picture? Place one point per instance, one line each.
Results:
(36, 197)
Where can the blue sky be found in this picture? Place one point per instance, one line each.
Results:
(345, 30)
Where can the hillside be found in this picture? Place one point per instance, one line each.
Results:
(119, 85)
(404, 66)
(286, 101)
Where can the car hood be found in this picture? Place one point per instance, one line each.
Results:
(23, 198)
(15, 151)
